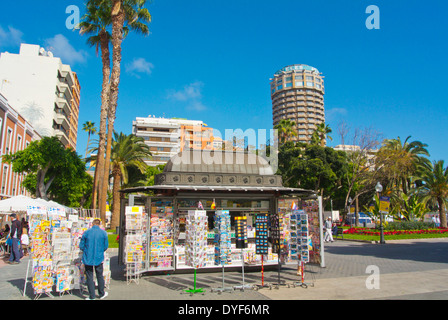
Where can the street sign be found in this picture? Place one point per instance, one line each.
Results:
(384, 204)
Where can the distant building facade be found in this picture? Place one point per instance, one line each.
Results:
(297, 93)
(44, 90)
(16, 133)
(168, 137)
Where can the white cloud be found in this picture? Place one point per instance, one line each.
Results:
(335, 112)
(139, 66)
(191, 91)
(191, 94)
(61, 48)
(10, 37)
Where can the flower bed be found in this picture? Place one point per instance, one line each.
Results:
(368, 232)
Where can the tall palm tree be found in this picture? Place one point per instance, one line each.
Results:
(90, 128)
(434, 188)
(136, 17)
(286, 129)
(127, 150)
(98, 22)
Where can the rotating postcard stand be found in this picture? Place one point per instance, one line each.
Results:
(261, 245)
(195, 244)
(241, 243)
(299, 222)
(277, 247)
(223, 247)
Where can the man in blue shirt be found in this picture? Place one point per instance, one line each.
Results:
(94, 243)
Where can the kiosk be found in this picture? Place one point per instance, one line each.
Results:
(241, 183)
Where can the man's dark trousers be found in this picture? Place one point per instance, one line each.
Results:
(99, 278)
(15, 251)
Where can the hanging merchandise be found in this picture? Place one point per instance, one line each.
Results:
(241, 232)
(261, 234)
(275, 233)
(134, 218)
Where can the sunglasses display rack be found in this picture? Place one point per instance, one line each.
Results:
(261, 245)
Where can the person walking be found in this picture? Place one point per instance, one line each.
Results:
(94, 243)
(328, 226)
(15, 234)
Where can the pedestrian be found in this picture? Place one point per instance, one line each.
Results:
(24, 239)
(328, 225)
(94, 243)
(15, 234)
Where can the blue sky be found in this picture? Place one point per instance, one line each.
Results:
(212, 60)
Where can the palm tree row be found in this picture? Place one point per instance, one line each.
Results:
(107, 22)
(415, 184)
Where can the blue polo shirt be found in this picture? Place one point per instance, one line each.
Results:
(93, 244)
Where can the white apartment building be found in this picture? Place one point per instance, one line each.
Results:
(162, 135)
(44, 90)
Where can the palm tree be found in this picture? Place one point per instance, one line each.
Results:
(127, 150)
(321, 133)
(133, 13)
(434, 188)
(97, 22)
(286, 129)
(90, 128)
(400, 160)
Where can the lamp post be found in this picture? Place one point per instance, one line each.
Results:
(379, 189)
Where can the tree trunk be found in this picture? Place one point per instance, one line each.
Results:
(99, 166)
(41, 191)
(442, 215)
(115, 219)
(118, 17)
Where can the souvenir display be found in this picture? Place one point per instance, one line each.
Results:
(222, 240)
(161, 236)
(134, 218)
(311, 208)
(261, 234)
(241, 232)
(196, 238)
(275, 232)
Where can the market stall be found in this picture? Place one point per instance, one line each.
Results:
(247, 190)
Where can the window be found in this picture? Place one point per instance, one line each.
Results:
(5, 175)
(288, 85)
(299, 83)
(309, 78)
(8, 141)
(280, 87)
(309, 84)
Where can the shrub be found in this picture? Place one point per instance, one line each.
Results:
(409, 225)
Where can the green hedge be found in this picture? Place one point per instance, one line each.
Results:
(409, 225)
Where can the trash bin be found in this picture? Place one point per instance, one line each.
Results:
(117, 230)
(364, 224)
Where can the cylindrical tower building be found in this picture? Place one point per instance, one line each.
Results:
(297, 94)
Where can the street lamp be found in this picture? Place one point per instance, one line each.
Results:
(379, 189)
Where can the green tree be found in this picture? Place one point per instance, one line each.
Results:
(286, 129)
(52, 171)
(90, 128)
(434, 188)
(127, 151)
